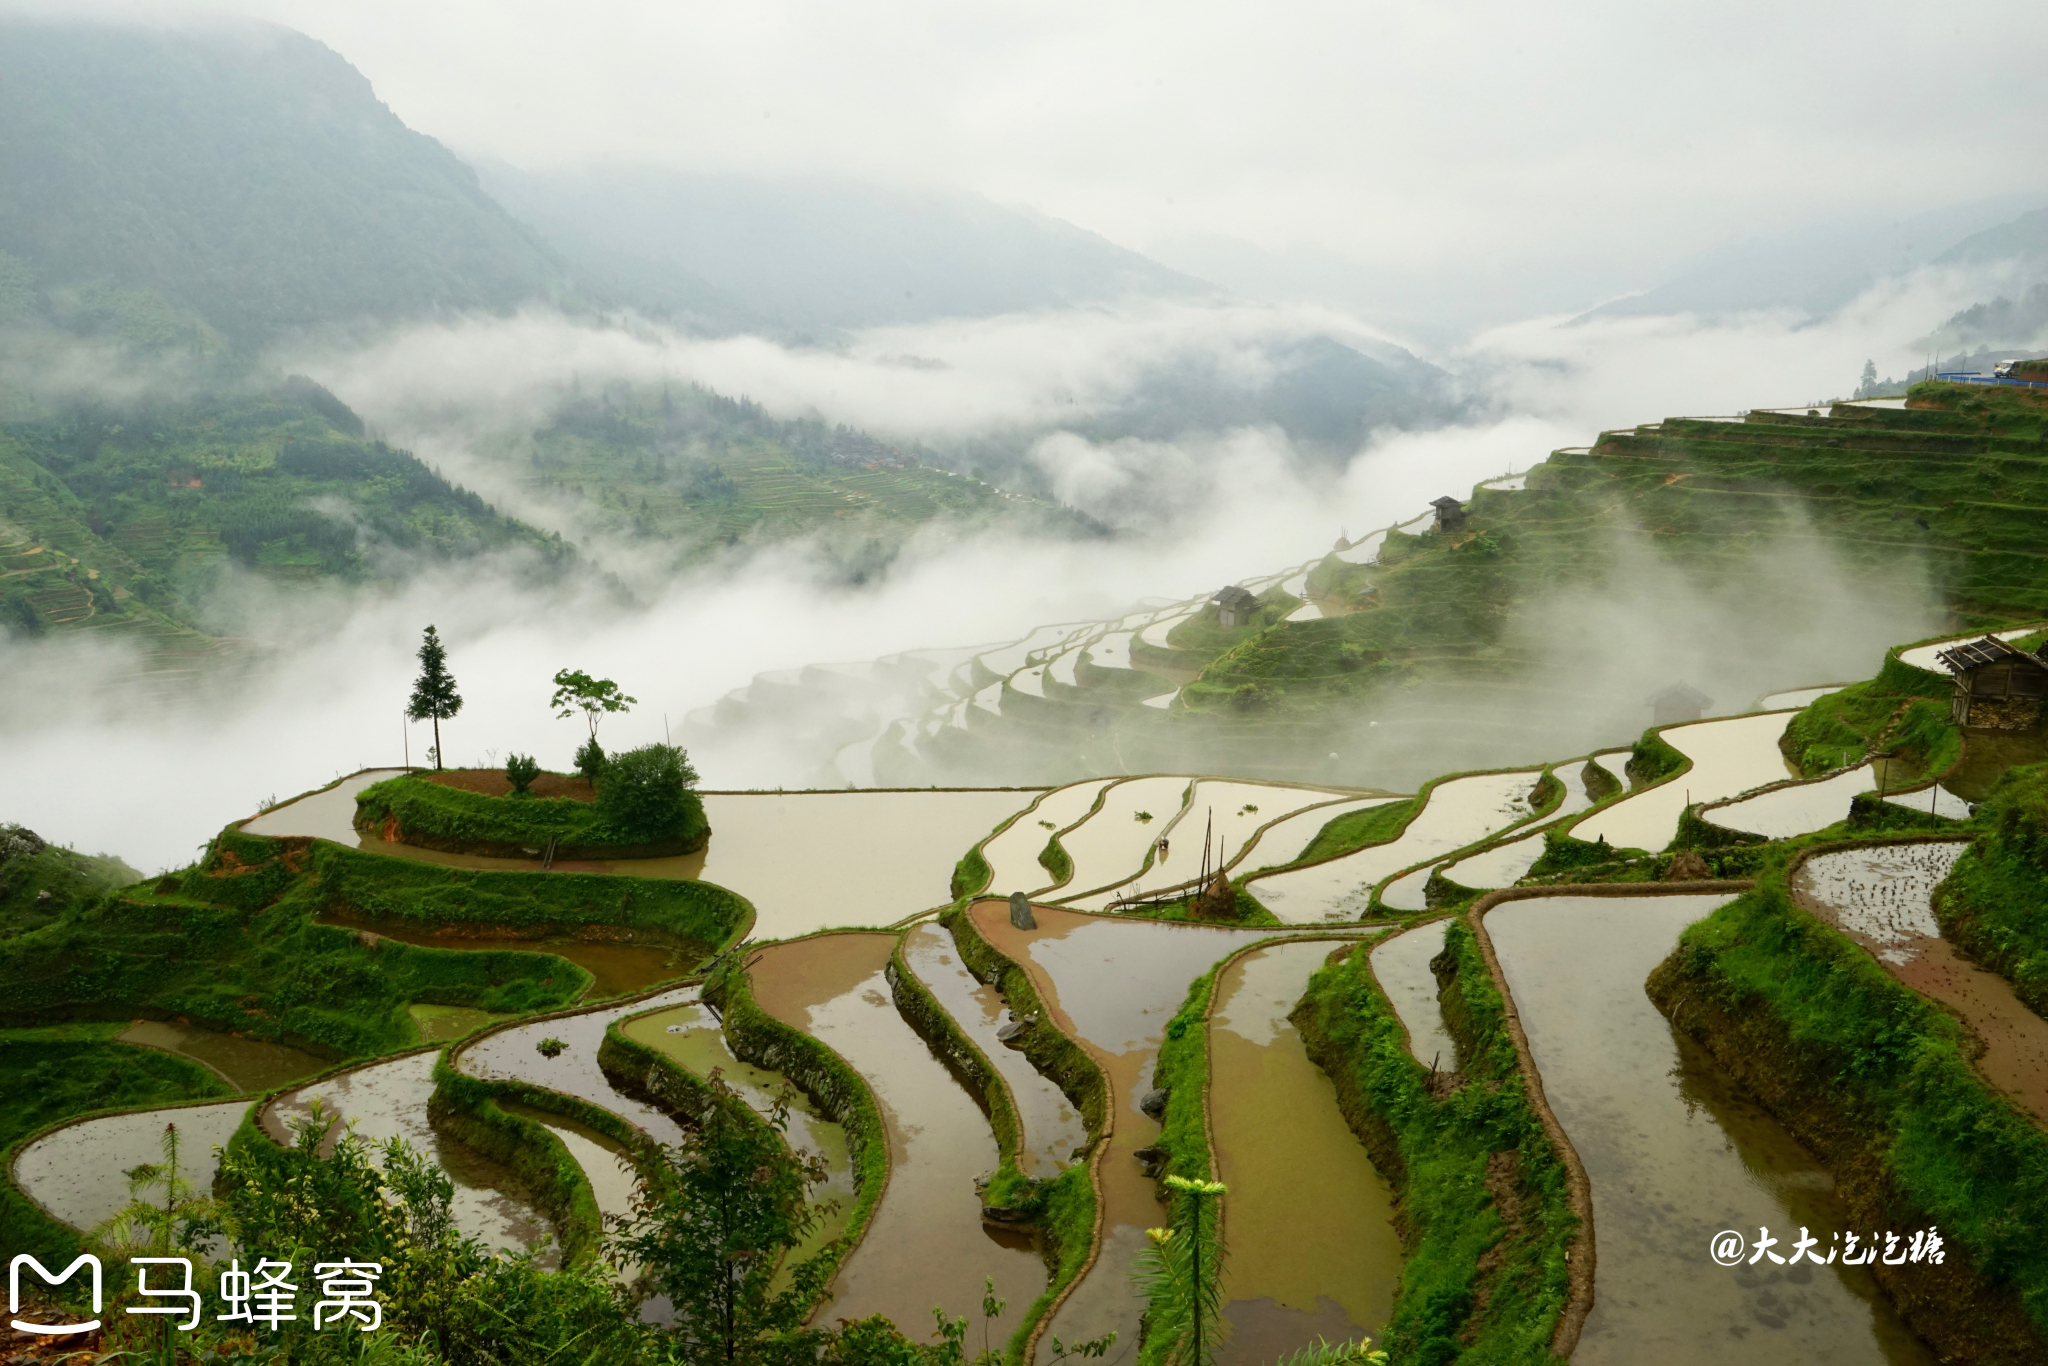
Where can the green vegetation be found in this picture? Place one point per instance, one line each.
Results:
(1991, 904)
(596, 698)
(433, 693)
(1903, 711)
(1877, 1081)
(233, 944)
(1180, 1274)
(644, 797)
(712, 1220)
(687, 469)
(648, 793)
(520, 771)
(60, 1072)
(1058, 864)
(1485, 1213)
(172, 187)
(124, 517)
(1651, 760)
(1357, 829)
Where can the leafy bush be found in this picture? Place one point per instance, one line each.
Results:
(520, 771)
(590, 759)
(645, 794)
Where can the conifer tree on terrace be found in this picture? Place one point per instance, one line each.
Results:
(433, 693)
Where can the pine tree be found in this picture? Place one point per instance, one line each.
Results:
(433, 693)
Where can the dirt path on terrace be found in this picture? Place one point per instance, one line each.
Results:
(492, 782)
(1881, 898)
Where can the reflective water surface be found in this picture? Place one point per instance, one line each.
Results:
(1299, 1179)
(1677, 1152)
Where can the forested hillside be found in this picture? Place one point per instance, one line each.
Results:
(244, 181)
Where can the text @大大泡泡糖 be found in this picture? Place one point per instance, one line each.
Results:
(1730, 1248)
(264, 1295)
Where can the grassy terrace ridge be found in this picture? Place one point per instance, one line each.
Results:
(127, 515)
(1956, 484)
(56, 1073)
(1991, 904)
(1484, 1208)
(416, 809)
(233, 943)
(1876, 1080)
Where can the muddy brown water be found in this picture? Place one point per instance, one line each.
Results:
(926, 1246)
(618, 967)
(1308, 1220)
(248, 1064)
(1053, 1128)
(75, 1172)
(1882, 898)
(1676, 1152)
(690, 1036)
(1401, 965)
(1112, 986)
(385, 1100)
(806, 860)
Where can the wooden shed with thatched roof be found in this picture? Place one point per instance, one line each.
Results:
(1450, 513)
(1234, 606)
(1998, 686)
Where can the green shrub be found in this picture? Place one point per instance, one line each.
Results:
(520, 771)
(590, 759)
(645, 794)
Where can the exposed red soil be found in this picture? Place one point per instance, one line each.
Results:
(492, 782)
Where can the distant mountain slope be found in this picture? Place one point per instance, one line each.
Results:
(1816, 270)
(247, 174)
(2024, 239)
(818, 254)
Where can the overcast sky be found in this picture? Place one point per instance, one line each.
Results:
(1416, 136)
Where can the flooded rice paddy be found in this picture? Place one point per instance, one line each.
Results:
(1799, 809)
(1797, 697)
(1405, 893)
(1113, 651)
(1225, 814)
(439, 1024)
(1458, 813)
(1676, 1152)
(1401, 965)
(1053, 1128)
(617, 967)
(927, 1246)
(1155, 634)
(1729, 757)
(1283, 843)
(1501, 866)
(807, 860)
(1934, 799)
(1309, 1221)
(812, 860)
(1923, 656)
(248, 1064)
(386, 1100)
(1013, 855)
(75, 1172)
(689, 1036)
(1882, 897)
(1112, 986)
(1109, 847)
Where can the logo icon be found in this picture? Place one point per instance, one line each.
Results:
(51, 1278)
